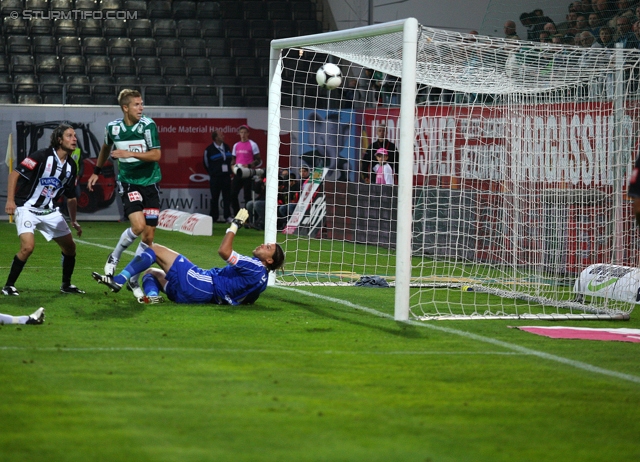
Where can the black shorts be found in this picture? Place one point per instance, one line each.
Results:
(136, 198)
(634, 180)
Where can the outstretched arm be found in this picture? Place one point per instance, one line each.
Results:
(226, 246)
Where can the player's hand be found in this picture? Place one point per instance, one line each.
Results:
(241, 217)
(77, 227)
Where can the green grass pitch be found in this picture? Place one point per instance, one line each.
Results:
(306, 374)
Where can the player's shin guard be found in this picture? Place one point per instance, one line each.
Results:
(150, 285)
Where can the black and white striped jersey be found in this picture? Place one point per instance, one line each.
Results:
(44, 178)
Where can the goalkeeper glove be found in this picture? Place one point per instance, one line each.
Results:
(238, 221)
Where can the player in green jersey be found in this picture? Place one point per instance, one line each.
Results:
(133, 141)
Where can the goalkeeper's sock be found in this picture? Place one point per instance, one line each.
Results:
(136, 266)
(139, 251)
(150, 285)
(126, 239)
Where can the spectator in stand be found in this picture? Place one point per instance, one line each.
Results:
(569, 25)
(625, 34)
(509, 29)
(557, 39)
(382, 170)
(587, 39)
(606, 37)
(539, 20)
(245, 154)
(586, 6)
(544, 37)
(528, 20)
(604, 9)
(594, 24)
(582, 23)
(217, 161)
(256, 206)
(636, 31)
(380, 142)
(295, 187)
(551, 28)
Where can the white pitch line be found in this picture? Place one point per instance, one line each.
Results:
(480, 338)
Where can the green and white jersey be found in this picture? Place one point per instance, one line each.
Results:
(141, 137)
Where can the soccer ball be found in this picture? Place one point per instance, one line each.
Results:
(329, 76)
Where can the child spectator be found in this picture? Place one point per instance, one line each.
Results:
(382, 170)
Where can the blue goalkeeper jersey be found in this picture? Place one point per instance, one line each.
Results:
(240, 282)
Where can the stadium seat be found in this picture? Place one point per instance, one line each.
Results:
(216, 46)
(30, 98)
(72, 64)
(7, 98)
(140, 28)
(6, 83)
(18, 44)
(44, 44)
(40, 26)
(227, 85)
(139, 7)
(159, 9)
(208, 10)
(123, 65)
(154, 85)
(211, 28)
(241, 47)
(278, 10)
(17, 26)
(61, 5)
(148, 65)
(206, 100)
(4, 64)
(198, 66)
(69, 46)
(256, 101)
(41, 5)
(231, 9)
(78, 84)
(64, 27)
(22, 64)
(178, 86)
(3, 48)
(105, 100)
(144, 46)
(85, 5)
(253, 86)
(246, 67)
(111, 5)
(47, 64)
(180, 100)
(284, 28)
(114, 28)
(235, 28)
(222, 66)
(260, 29)
(156, 100)
(188, 28)
(98, 65)
(103, 85)
(183, 9)
(173, 66)
(25, 83)
(51, 84)
(169, 47)
(80, 100)
(127, 81)
(94, 46)
(53, 99)
(202, 86)
(303, 10)
(233, 101)
(308, 27)
(119, 46)
(262, 48)
(9, 6)
(90, 28)
(164, 28)
(254, 10)
(193, 47)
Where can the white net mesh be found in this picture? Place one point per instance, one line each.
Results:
(521, 155)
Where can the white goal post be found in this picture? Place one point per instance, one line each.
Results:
(509, 160)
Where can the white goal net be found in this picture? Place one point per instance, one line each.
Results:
(482, 177)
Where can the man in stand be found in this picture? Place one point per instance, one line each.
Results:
(32, 191)
(137, 150)
(217, 161)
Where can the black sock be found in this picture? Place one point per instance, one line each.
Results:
(68, 264)
(16, 269)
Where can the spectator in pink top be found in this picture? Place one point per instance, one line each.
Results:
(245, 154)
(382, 170)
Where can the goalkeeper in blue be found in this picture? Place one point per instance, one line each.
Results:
(240, 282)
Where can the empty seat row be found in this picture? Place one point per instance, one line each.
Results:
(255, 28)
(124, 46)
(126, 65)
